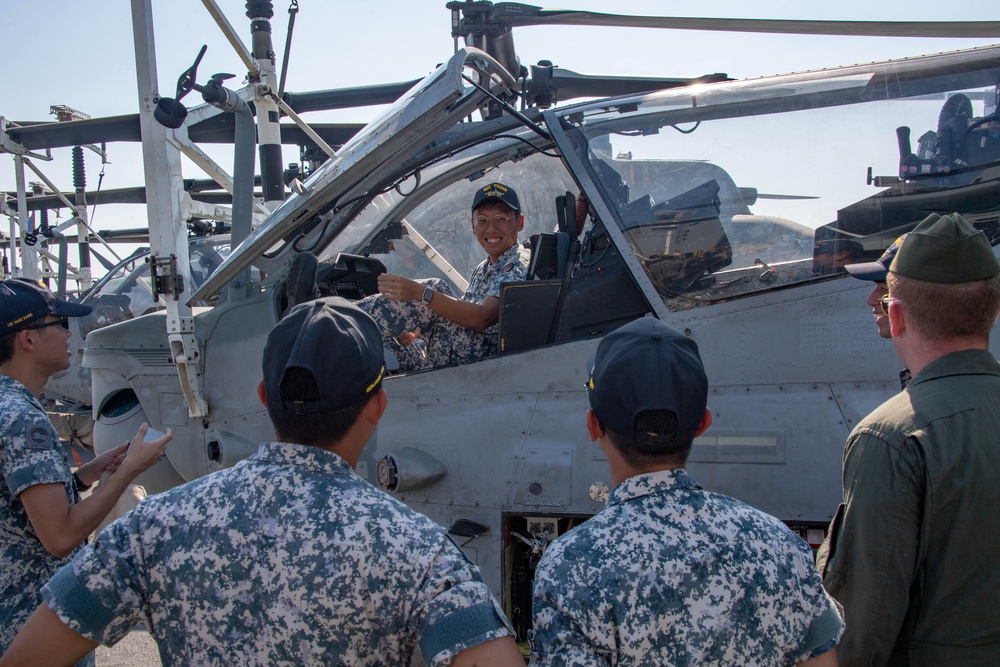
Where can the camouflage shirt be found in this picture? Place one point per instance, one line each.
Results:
(444, 342)
(487, 278)
(30, 454)
(287, 558)
(669, 574)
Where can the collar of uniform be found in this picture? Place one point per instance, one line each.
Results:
(302, 456)
(964, 362)
(510, 255)
(8, 383)
(650, 483)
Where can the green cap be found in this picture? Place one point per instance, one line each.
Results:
(946, 249)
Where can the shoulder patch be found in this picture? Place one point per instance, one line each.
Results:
(507, 268)
(38, 438)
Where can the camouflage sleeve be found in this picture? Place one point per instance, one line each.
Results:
(29, 457)
(826, 625)
(559, 637)
(98, 594)
(454, 609)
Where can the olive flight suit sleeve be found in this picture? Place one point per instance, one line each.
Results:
(873, 550)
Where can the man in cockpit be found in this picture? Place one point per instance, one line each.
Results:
(454, 330)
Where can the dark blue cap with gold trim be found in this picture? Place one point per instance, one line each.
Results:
(23, 301)
(494, 192)
(645, 366)
(335, 342)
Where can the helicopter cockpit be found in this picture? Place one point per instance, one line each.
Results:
(697, 232)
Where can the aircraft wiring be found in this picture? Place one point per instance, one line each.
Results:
(404, 195)
(643, 133)
(525, 141)
(696, 125)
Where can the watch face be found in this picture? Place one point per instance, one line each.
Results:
(428, 294)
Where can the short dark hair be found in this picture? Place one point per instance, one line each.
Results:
(638, 453)
(311, 428)
(7, 346)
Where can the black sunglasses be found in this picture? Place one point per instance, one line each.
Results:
(62, 321)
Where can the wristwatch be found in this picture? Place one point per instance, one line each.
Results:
(428, 295)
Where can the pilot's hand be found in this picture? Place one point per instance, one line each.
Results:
(399, 288)
(140, 454)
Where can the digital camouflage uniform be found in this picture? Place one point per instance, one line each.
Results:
(30, 454)
(446, 342)
(670, 574)
(287, 558)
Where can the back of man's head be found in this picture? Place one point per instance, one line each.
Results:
(322, 363)
(948, 278)
(648, 388)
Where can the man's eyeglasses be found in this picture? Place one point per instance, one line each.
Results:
(482, 222)
(62, 321)
(885, 301)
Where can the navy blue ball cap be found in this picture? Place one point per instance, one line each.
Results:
(642, 366)
(496, 192)
(878, 270)
(23, 301)
(337, 343)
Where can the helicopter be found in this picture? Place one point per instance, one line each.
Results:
(636, 205)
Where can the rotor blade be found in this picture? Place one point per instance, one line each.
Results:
(571, 85)
(35, 136)
(216, 130)
(516, 14)
(764, 195)
(134, 195)
(221, 130)
(203, 191)
(346, 98)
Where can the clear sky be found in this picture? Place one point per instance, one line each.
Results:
(81, 55)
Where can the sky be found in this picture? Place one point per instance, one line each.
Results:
(66, 52)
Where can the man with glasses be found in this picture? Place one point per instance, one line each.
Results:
(878, 272)
(42, 518)
(911, 551)
(288, 557)
(455, 330)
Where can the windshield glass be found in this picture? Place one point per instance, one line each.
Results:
(127, 292)
(432, 237)
(726, 191)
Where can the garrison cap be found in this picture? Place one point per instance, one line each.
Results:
(878, 270)
(642, 366)
(336, 342)
(496, 191)
(23, 301)
(946, 249)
